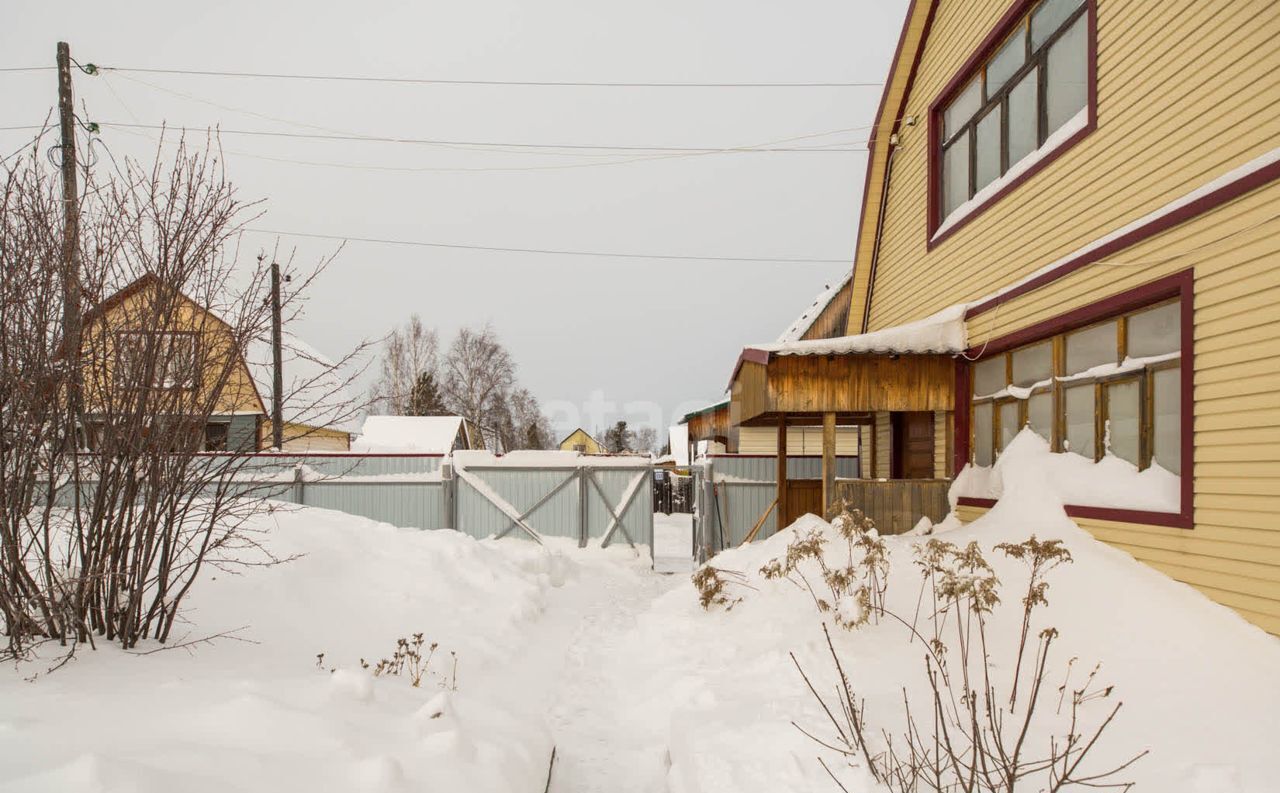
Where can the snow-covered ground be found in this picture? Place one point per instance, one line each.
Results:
(673, 542)
(614, 665)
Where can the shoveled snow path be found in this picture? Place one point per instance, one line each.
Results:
(595, 748)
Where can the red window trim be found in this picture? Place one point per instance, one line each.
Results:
(987, 48)
(1180, 285)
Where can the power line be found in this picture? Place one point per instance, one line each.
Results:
(26, 68)
(436, 142)
(430, 81)
(554, 252)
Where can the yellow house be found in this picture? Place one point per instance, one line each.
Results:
(1090, 192)
(580, 441)
(233, 387)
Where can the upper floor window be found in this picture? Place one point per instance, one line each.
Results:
(156, 359)
(1021, 101)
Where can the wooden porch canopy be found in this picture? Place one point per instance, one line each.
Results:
(908, 367)
(710, 423)
(767, 386)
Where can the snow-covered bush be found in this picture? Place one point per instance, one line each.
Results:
(975, 731)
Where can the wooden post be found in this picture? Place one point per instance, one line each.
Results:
(70, 238)
(783, 511)
(828, 461)
(277, 364)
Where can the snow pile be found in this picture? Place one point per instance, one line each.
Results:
(415, 434)
(1070, 478)
(943, 332)
(719, 691)
(255, 713)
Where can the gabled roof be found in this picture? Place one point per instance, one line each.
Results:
(805, 322)
(889, 117)
(420, 434)
(309, 376)
(575, 432)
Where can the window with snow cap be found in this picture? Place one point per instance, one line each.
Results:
(1109, 388)
(1027, 94)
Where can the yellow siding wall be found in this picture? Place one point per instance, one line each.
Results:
(884, 446)
(1181, 99)
(942, 430)
(300, 438)
(580, 437)
(1233, 553)
(800, 440)
(138, 312)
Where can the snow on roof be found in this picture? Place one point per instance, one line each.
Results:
(315, 393)
(810, 315)
(420, 434)
(545, 458)
(679, 439)
(942, 332)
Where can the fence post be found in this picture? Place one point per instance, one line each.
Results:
(299, 485)
(448, 484)
(583, 529)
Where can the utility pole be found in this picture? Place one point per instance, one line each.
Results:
(277, 362)
(70, 237)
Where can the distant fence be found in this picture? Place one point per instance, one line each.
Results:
(733, 494)
(563, 495)
(672, 492)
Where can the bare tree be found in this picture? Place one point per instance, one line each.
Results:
(104, 533)
(646, 440)
(478, 376)
(409, 354)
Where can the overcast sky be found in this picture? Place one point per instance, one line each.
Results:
(584, 330)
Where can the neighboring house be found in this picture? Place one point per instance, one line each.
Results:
(316, 407)
(1071, 221)
(418, 435)
(580, 441)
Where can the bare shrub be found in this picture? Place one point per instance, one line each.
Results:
(713, 585)
(989, 723)
(111, 507)
(409, 660)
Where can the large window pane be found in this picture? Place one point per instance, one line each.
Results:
(1156, 332)
(1065, 88)
(1122, 419)
(1049, 17)
(1040, 414)
(955, 175)
(1033, 364)
(982, 433)
(1009, 425)
(1007, 61)
(1024, 115)
(987, 167)
(988, 376)
(1080, 426)
(962, 108)
(1167, 403)
(1092, 346)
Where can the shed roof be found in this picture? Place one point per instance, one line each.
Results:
(421, 434)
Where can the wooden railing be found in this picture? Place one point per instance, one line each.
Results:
(896, 505)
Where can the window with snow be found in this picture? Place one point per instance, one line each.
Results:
(155, 359)
(1021, 102)
(1110, 388)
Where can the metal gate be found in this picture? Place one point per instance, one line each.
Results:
(600, 501)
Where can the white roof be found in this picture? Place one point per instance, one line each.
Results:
(420, 434)
(942, 332)
(315, 393)
(810, 315)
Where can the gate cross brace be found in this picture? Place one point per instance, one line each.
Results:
(520, 521)
(506, 509)
(615, 522)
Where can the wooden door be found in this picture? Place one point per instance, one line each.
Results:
(803, 496)
(913, 445)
